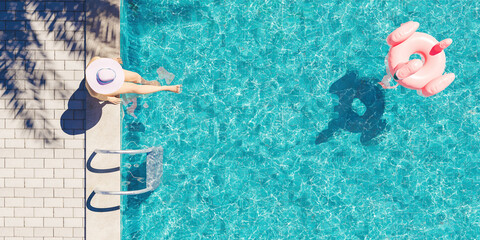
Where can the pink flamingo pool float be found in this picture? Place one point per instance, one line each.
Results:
(426, 75)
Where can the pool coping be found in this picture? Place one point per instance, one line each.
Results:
(102, 38)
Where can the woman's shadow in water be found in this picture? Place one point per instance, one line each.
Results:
(370, 124)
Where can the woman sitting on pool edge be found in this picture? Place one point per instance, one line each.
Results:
(106, 80)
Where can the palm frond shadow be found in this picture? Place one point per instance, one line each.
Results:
(25, 58)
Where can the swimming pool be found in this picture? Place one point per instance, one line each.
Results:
(266, 141)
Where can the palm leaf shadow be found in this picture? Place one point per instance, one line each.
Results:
(25, 57)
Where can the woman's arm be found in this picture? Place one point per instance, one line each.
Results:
(119, 60)
(93, 59)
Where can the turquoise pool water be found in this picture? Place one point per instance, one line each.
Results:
(268, 140)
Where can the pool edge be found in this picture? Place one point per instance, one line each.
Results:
(102, 39)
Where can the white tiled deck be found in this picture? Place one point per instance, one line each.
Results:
(42, 116)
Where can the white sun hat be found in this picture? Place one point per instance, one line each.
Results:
(105, 75)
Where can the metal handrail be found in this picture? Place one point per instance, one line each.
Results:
(130, 151)
(154, 168)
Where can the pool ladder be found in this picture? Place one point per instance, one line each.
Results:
(154, 169)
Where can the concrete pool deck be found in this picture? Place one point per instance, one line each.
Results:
(46, 132)
(102, 216)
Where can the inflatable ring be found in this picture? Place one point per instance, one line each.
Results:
(426, 75)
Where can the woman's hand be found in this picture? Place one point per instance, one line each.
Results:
(119, 60)
(114, 100)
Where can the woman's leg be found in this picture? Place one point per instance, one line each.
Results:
(132, 76)
(144, 89)
(136, 78)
